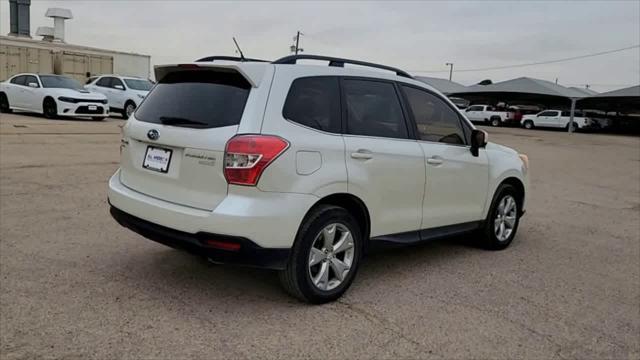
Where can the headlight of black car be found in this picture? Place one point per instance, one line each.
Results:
(67, 99)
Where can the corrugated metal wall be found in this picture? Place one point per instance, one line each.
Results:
(18, 59)
(78, 65)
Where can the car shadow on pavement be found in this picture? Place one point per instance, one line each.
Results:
(59, 118)
(176, 274)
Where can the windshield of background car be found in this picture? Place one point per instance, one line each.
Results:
(53, 81)
(138, 84)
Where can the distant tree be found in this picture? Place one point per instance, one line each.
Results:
(485, 82)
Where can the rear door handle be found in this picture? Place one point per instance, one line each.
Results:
(435, 160)
(362, 154)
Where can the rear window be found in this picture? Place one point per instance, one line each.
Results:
(199, 99)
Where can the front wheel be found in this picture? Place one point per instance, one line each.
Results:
(50, 109)
(325, 256)
(129, 108)
(503, 219)
(4, 104)
(575, 127)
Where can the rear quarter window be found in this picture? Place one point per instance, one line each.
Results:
(199, 99)
(315, 102)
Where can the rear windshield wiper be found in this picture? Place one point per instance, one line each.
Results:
(171, 120)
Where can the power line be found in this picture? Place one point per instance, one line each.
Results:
(534, 63)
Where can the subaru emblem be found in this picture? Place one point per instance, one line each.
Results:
(153, 134)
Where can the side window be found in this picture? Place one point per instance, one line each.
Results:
(18, 80)
(373, 109)
(475, 108)
(315, 102)
(31, 79)
(116, 81)
(436, 121)
(104, 82)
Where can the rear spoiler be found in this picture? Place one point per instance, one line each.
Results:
(252, 71)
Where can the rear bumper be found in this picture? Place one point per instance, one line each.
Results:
(247, 252)
(269, 219)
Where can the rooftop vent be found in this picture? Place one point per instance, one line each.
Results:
(59, 16)
(46, 32)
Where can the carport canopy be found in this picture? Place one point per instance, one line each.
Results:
(625, 100)
(526, 90)
(443, 85)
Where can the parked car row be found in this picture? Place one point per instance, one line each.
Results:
(516, 116)
(58, 95)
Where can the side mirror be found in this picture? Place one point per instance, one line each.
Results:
(119, 87)
(478, 140)
(467, 110)
(33, 85)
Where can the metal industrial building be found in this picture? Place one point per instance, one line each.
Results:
(52, 55)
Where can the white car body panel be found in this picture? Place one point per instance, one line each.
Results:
(402, 191)
(456, 187)
(26, 98)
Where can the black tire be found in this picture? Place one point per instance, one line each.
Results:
(296, 278)
(124, 113)
(98, 118)
(528, 124)
(50, 109)
(495, 121)
(4, 104)
(575, 127)
(489, 239)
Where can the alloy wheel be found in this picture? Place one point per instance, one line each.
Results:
(129, 110)
(505, 219)
(331, 256)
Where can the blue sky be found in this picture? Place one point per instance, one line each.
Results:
(420, 35)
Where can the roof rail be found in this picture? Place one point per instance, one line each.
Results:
(228, 58)
(339, 62)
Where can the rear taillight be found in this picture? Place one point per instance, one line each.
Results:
(246, 157)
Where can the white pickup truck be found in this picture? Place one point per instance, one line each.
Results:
(488, 114)
(556, 119)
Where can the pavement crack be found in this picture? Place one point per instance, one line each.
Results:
(385, 323)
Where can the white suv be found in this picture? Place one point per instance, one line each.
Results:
(303, 168)
(124, 93)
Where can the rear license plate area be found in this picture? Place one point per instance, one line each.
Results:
(157, 159)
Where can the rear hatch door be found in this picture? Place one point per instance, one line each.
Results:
(173, 146)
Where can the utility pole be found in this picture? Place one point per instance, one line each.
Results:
(450, 70)
(295, 48)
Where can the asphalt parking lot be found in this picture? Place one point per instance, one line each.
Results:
(74, 284)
